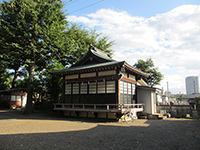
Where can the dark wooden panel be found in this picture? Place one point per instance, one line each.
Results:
(101, 99)
(75, 99)
(68, 98)
(83, 99)
(111, 99)
(92, 99)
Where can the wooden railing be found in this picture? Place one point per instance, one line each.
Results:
(98, 107)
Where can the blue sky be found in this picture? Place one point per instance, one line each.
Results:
(168, 31)
(144, 8)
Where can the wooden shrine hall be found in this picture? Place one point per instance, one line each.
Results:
(98, 86)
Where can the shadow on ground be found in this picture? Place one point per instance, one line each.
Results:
(46, 115)
(156, 134)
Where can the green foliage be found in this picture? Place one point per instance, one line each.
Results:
(179, 97)
(31, 31)
(52, 84)
(197, 100)
(36, 39)
(148, 66)
(79, 43)
(5, 78)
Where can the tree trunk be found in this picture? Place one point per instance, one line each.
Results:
(15, 79)
(29, 104)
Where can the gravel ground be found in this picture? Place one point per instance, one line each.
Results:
(43, 132)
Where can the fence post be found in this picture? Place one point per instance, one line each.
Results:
(107, 107)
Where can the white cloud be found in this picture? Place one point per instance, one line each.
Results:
(171, 39)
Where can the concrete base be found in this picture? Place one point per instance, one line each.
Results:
(90, 115)
(195, 114)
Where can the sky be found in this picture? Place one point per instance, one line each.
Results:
(167, 31)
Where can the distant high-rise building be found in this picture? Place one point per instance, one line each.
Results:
(192, 85)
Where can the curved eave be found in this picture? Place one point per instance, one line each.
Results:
(137, 71)
(101, 54)
(90, 68)
(147, 88)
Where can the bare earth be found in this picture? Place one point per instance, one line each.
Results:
(39, 132)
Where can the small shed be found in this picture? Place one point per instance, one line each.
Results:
(148, 96)
(13, 98)
(98, 86)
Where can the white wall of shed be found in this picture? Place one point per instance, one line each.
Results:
(144, 96)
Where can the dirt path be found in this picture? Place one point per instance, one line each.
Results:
(43, 132)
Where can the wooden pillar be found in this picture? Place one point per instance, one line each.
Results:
(136, 93)
(63, 91)
(117, 93)
(79, 97)
(118, 86)
(106, 91)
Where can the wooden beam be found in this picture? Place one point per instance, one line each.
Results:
(129, 80)
(113, 77)
(95, 107)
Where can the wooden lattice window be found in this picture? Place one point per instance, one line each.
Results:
(83, 88)
(101, 87)
(75, 88)
(68, 89)
(110, 88)
(92, 88)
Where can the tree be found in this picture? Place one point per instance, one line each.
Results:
(80, 41)
(53, 83)
(32, 31)
(148, 66)
(5, 78)
(35, 35)
(179, 97)
(197, 101)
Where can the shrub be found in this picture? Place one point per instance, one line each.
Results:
(197, 100)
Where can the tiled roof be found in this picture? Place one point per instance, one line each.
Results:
(100, 53)
(104, 60)
(191, 96)
(89, 66)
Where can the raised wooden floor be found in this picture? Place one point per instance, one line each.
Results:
(113, 108)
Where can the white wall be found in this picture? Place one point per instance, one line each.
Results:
(144, 96)
(24, 101)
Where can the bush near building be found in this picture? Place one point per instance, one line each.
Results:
(197, 100)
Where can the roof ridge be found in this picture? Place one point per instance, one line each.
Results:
(100, 51)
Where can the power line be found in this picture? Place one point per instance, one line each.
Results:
(71, 2)
(86, 7)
